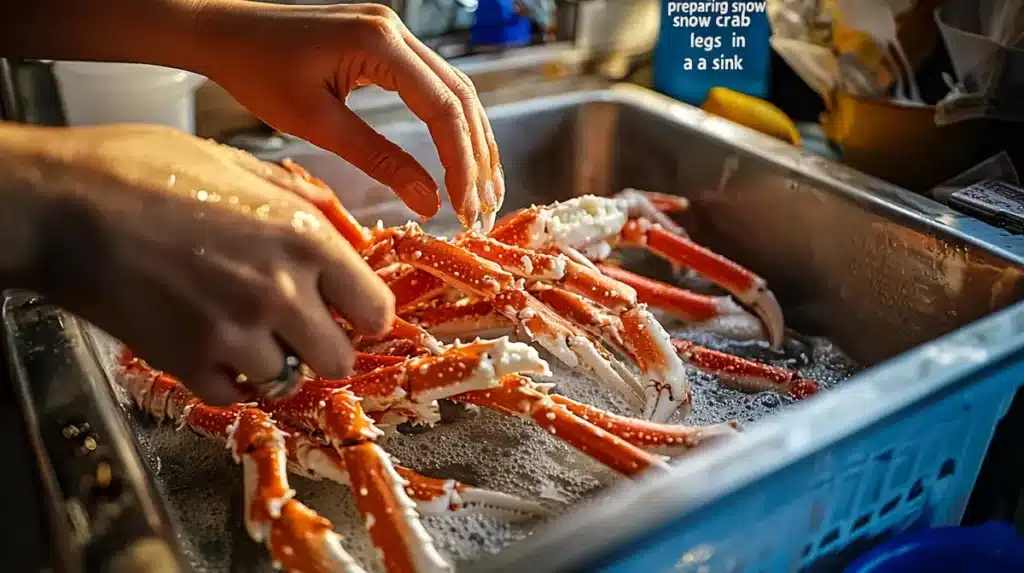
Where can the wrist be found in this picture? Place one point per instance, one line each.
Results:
(224, 30)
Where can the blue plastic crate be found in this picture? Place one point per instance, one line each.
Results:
(813, 490)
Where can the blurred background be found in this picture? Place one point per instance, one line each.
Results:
(935, 84)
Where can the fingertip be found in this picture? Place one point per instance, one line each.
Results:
(347, 362)
(343, 360)
(421, 197)
(369, 309)
(382, 316)
(219, 391)
(489, 197)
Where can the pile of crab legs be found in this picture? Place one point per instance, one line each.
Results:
(541, 273)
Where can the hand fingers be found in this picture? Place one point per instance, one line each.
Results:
(346, 134)
(256, 356)
(217, 387)
(289, 304)
(497, 173)
(482, 138)
(351, 287)
(282, 177)
(343, 132)
(319, 340)
(431, 100)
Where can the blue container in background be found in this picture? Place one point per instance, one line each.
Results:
(498, 24)
(990, 548)
(685, 35)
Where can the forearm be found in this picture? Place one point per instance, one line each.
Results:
(160, 32)
(24, 171)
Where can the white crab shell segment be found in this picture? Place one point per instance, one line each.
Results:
(578, 222)
(493, 359)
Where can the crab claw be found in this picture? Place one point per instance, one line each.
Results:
(766, 307)
(448, 497)
(667, 387)
(749, 288)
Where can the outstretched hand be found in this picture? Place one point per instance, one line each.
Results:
(294, 66)
(206, 260)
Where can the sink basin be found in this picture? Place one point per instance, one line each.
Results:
(902, 269)
(926, 299)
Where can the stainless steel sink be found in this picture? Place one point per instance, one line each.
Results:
(874, 267)
(880, 271)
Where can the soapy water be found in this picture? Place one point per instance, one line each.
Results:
(479, 447)
(197, 477)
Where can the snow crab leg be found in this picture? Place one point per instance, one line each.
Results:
(408, 390)
(462, 319)
(451, 264)
(298, 539)
(688, 305)
(665, 387)
(517, 396)
(593, 225)
(487, 281)
(482, 373)
(745, 374)
(312, 459)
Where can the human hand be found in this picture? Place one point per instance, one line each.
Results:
(199, 257)
(294, 66)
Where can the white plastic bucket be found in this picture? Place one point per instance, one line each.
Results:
(100, 93)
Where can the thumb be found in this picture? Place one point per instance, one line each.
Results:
(338, 129)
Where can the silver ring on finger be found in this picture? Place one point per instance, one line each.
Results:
(284, 384)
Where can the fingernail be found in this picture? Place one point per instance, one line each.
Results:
(421, 198)
(488, 199)
(487, 221)
(499, 188)
(470, 209)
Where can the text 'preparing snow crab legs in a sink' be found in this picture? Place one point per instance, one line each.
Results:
(540, 274)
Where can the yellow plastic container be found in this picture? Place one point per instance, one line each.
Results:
(901, 143)
(752, 112)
